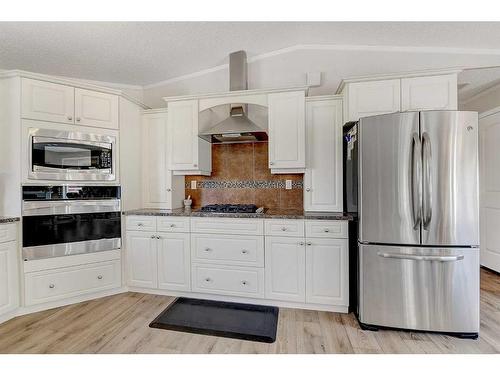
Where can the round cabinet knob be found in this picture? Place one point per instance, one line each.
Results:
(244, 282)
(172, 225)
(70, 118)
(51, 286)
(283, 229)
(78, 119)
(158, 237)
(140, 224)
(309, 244)
(244, 251)
(99, 277)
(153, 237)
(195, 165)
(327, 230)
(208, 279)
(301, 243)
(308, 189)
(169, 190)
(208, 249)
(271, 163)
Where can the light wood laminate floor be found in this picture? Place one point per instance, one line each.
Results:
(119, 324)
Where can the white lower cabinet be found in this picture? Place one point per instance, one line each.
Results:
(159, 260)
(294, 260)
(228, 280)
(327, 271)
(174, 261)
(9, 286)
(285, 269)
(142, 259)
(57, 284)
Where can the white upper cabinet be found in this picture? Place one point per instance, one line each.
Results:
(188, 152)
(53, 102)
(174, 261)
(287, 147)
(96, 109)
(372, 98)
(323, 174)
(47, 101)
(428, 93)
(327, 279)
(160, 188)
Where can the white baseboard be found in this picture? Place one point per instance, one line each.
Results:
(255, 301)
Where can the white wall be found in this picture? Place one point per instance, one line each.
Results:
(290, 68)
(483, 102)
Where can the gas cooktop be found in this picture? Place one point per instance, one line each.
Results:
(233, 208)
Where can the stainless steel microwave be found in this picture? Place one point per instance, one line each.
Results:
(71, 156)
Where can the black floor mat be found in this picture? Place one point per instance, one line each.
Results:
(226, 319)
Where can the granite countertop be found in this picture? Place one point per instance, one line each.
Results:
(268, 214)
(8, 219)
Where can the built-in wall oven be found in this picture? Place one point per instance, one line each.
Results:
(70, 220)
(70, 155)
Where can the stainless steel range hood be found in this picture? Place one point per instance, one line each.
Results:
(237, 128)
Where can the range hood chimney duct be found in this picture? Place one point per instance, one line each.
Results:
(237, 128)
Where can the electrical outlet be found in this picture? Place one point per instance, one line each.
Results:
(288, 184)
(193, 185)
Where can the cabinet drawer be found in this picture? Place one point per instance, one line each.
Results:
(326, 228)
(46, 286)
(227, 225)
(173, 224)
(7, 232)
(228, 249)
(236, 281)
(287, 228)
(142, 223)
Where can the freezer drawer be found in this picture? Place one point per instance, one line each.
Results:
(431, 289)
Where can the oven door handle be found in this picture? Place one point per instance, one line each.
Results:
(35, 208)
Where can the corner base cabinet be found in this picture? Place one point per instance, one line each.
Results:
(9, 285)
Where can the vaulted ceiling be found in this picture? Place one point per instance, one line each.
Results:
(143, 53)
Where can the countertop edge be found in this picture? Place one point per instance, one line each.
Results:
(9, 219)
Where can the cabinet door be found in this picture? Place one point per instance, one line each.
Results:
(142, 259)
(184, 142)
(285, 269)
(96, 109)
(47, 101)
(9, 287)
(327, 271)
(323, 175)
(428, 93)
(287, 144)
(174, 262)
(157, 178)
(373, 98)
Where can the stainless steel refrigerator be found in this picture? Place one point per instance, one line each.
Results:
(419, 221)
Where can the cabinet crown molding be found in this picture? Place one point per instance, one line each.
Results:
(70, 82)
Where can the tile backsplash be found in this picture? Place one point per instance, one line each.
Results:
(240, 175)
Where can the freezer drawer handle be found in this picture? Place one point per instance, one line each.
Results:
(445, 258)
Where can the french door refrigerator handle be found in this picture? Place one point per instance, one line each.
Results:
(445, 258)
(416, 182)
(427, 180)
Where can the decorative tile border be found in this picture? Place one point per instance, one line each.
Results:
(250, 184)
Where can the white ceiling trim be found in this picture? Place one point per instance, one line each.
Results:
(335, 47)
(481, 93)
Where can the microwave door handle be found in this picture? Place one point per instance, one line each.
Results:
(427, 180)
(416, 180)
